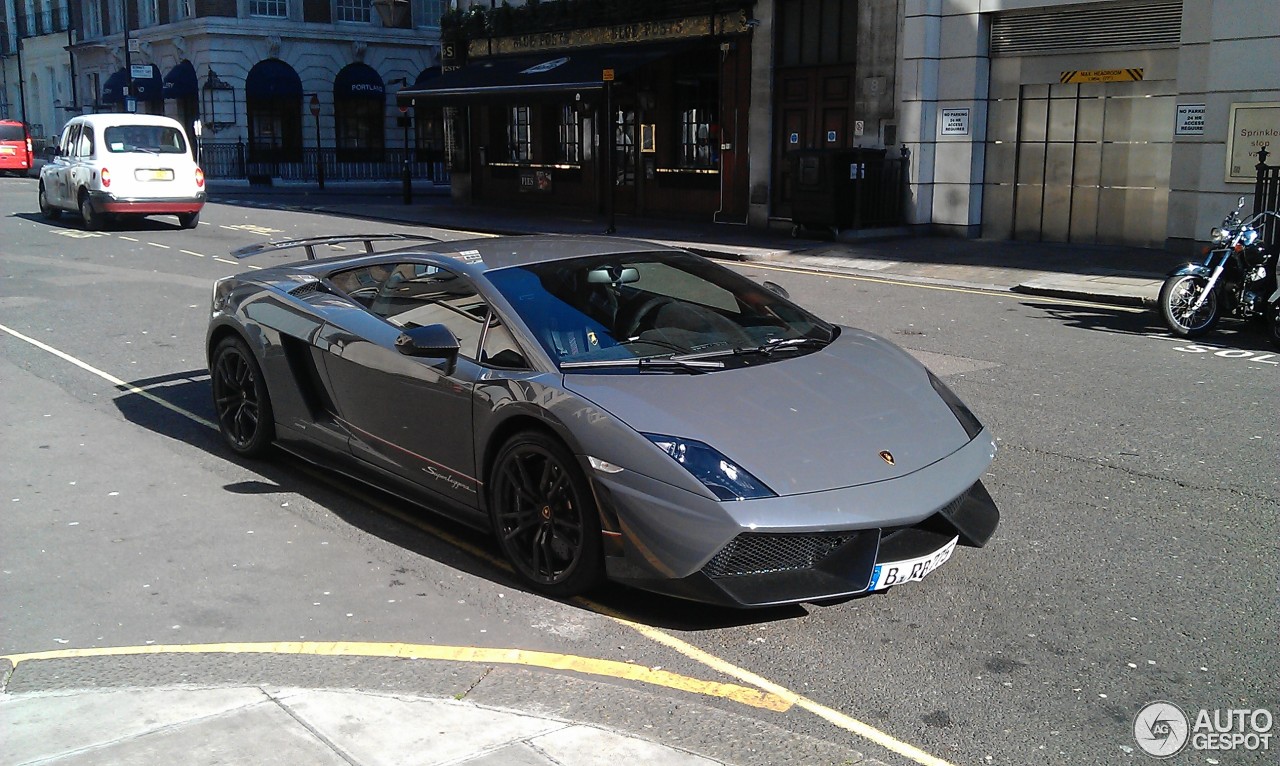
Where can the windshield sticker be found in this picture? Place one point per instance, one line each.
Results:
(470, 256)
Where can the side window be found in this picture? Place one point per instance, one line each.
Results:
(86, 141)
(415, 295)
(70, 139)
(499, 348)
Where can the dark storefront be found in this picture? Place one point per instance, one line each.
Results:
(668, 98)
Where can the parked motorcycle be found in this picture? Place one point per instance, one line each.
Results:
(1237, 279)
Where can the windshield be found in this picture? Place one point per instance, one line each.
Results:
(156, 139)
(604, 313)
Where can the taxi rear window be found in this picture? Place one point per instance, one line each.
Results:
(153, 139)
(11, 132)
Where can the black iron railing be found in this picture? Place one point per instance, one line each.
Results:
(1266, 196)
(234, 161)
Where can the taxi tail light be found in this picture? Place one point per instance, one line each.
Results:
(199, 178)
(106, 178)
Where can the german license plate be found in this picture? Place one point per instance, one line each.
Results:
(153, 174)
(890, 573)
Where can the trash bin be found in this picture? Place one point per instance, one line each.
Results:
(834, 188)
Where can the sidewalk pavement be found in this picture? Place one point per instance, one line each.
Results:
(1099, 273)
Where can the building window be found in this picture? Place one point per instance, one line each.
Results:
(148, 13)
(519, 138)
(277, 9)
(353, 10)
(92, 20)
(570, 135)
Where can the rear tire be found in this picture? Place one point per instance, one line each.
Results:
(189, 220)
(545, 517)
(1273, 324)
(93, 220)
(1176, 297)
(241, 400)
(47, 210)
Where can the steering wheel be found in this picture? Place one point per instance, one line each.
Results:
(636, 314)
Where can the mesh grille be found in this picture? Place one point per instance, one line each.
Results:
(1059, 29)
(761, 553)
(303, 291)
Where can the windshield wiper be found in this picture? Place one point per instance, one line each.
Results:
(646, 363)
(765, 349)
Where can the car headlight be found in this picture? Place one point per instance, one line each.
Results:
(972, 426)
(726, 479)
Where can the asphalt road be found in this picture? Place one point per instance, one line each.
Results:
(1136, 559)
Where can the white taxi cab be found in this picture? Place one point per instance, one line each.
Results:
(115, 165)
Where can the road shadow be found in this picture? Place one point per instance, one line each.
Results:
(71, 221)
(179, 406)
(1247, 336)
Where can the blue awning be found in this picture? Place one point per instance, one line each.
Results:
(181, 81)
(358, 81)
(426, 75)
(272, 79)
(144, 88)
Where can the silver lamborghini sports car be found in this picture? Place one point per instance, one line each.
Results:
(609, 409)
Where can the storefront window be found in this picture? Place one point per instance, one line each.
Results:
(519, 137)
(570, 135)
(695, 139)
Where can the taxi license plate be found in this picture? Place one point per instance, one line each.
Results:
(153, 175)
(890, 573)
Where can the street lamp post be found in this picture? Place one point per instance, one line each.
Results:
(406, 171)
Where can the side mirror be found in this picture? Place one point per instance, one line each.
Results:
(435, 341)
(777, 289)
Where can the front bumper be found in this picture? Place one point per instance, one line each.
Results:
(809, 547)
(106, 202)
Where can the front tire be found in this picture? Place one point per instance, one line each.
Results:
(241, 400)
(1177, 296)
(544, 516)
(47, 210)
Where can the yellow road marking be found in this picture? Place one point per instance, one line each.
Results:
(832, 716)
(107, 377)
(771, 694)
(1020, 297)
(476, 654)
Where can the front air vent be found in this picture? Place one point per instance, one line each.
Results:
(762, 553)
(1094, 27)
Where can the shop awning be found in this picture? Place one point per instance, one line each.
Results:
(181, 81)
(571, 70)
(358, 81)
(144, 88)
(272, 79)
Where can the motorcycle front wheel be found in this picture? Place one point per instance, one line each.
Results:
(1177, 297)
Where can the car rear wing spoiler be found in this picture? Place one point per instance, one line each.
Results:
(311, 243)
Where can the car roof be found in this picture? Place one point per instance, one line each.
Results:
(124, 118)
(522, 250)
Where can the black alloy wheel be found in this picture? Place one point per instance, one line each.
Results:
(544, 515)
(240, 399)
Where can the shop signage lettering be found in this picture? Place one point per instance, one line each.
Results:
(955, 122)
(1190, 120)
(1078, 76)
(643, 31)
